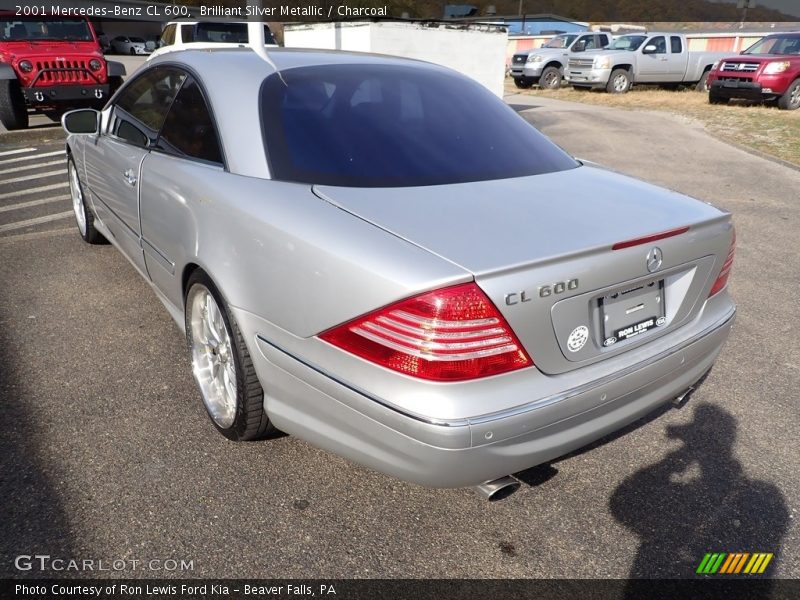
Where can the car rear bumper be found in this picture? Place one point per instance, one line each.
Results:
(54, 94)
(304, 400)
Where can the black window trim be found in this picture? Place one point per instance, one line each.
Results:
(152, 147)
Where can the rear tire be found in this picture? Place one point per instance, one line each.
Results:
(13, 112)
(550, 79)
(717, 99)
(523, 83)
(222, 367)
(133, 52)
(83, 216)
(701, 85)
(791, 97)
(619, 82)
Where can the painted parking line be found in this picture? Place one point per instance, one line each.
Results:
(36, 221)
(29, 167)
(31, 203)
(17, 151)
(18, 159)
(34, 190)
(62, 172)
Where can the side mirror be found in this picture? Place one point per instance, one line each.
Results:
(649, 49)
(81, 121)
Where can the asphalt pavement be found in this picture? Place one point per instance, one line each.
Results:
(106, 452)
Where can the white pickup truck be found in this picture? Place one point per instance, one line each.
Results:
(659, 58)
(545, 65)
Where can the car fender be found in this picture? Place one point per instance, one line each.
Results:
(116, 69)
(7, 71)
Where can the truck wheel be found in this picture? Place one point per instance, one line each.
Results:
(550, 79)
(791, 97)
(619, 82)
(114, 83)
(717, 99)
(13, 112)
(701, 85)
(523, 83)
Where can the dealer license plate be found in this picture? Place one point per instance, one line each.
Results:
(630, 312)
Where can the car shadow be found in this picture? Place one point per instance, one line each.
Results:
(33, 520)
(697, 500)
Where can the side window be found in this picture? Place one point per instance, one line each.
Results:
(660, 43)
(189, 129)
(167, 36)
(142, 106)
(675, 42)
(604, 41)
(589, 42)
(187, 34)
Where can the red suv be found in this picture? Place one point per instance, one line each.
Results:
(768, 70)
(51, 64)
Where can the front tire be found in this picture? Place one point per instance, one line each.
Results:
(221, 364)
(550, 79)
(13, 112)
(717, 99)
(619, 82)
(83, 216)
(523, 83)
(790, 100)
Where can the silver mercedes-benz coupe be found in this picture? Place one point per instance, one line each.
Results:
(379, 256)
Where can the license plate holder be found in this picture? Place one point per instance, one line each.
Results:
(630, 312)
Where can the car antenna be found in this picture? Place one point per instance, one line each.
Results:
(257, 41)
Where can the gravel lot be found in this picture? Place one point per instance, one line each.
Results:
(106, 452)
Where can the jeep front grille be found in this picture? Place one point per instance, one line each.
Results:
(63, 71)
(740, 66)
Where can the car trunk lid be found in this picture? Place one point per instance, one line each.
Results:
(542, 248)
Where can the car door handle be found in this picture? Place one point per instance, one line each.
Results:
(129, 176)
(664, 59)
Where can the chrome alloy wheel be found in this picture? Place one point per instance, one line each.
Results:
(620, 83)
(213, 360)
(77, 198)
(794, 100)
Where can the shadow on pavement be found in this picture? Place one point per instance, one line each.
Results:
(33, 520)
(698, 500)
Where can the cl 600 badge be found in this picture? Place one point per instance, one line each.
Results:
(544, 290)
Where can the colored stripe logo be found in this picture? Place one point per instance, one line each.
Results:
(734, 563)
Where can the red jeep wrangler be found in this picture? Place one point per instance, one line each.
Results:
(768, 70)
(52, 65)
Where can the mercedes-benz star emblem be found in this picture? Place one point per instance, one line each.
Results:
(654, 260)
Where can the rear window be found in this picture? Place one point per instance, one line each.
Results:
(227, 33)
(395, 126)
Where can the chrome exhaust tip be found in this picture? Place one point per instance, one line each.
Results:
(497, 489)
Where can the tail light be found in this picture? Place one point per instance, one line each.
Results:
(722, 279)
(451, 334)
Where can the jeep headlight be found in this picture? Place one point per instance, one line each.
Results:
(774, 68)
(534, 58)
(25, 66)
(602, 62)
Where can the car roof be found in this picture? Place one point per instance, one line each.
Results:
(232, 77)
